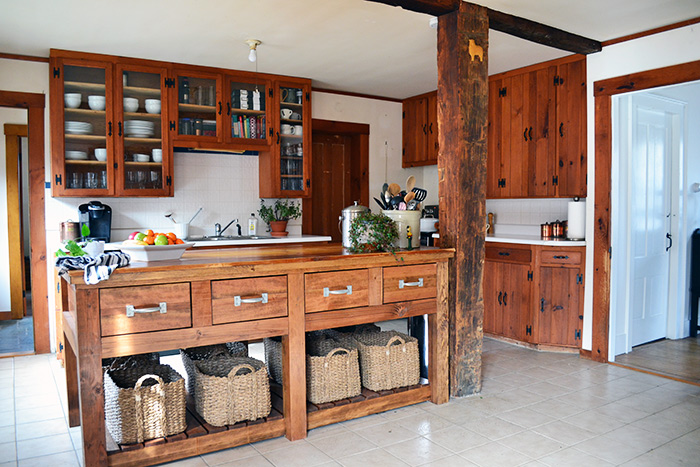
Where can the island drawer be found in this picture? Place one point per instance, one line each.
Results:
(556, 256)
(336, 290)
(235, 300)
(509, 254)
(403, 283)
(130, 310)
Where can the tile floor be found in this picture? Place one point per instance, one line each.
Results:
(536, 409)
(17, 335)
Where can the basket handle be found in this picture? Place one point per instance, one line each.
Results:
(395, 339)
(144, 378)
(139, 408)
(336, 350)
(236, 368)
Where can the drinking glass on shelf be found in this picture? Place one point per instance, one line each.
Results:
(141, 179)
(155, 179)
(130, 179)
(76, 180)
(90, 180)
(103, 178)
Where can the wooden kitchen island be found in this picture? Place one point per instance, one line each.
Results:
(199, 292)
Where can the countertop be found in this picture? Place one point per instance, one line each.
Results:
(266, 240)
(529, 240)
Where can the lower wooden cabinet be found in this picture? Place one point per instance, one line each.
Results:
(534, 293)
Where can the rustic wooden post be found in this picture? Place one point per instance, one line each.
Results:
(463, 123)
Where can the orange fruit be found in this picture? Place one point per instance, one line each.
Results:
(171, 241)
(171, 236)
(149, 233)
(150, 239)
(179, 242)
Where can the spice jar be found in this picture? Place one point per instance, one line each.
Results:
(546, 230)
(557, 229)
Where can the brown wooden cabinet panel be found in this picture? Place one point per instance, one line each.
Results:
(325, 291)
(235, 300)
(129, 310)
(541, 134)
(559, 257)
(402, 283)
(559, 313)
(495, 142)
(420, 131)
(516, 300)
(571, 129)
(493, 312)
(510, 253)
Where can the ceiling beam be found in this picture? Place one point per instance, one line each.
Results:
(541, 33)
(509, 24)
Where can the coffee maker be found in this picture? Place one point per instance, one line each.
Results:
(98, 218)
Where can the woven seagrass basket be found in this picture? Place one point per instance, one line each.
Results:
(273, 357)
(193, 354)
(144, 402)
(229, 390)
(388, 360)
(116, 363)
(332, 371)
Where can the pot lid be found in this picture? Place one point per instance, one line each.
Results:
(356, 208)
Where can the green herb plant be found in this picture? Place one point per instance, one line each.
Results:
(72, 248)
(372, 232)
(282, 210)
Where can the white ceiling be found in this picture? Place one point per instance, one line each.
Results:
(348, 45)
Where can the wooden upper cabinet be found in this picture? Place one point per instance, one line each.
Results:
(420, 132)
(571, 129)
(541, 134)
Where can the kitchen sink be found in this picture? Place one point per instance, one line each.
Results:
(206, 238)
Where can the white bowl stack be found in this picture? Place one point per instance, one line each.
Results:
(76, 155)
(72, 99)
(96, 102)
(78, 128)
(153, 106)
(131, 104)
(142, 158)
(139, 128)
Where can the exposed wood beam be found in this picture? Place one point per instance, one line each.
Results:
(542, 34)
(430, 7)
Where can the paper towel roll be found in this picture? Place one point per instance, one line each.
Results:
(577, 220)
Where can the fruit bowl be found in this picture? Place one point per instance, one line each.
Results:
(155, 252)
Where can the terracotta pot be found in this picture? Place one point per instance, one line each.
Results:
(279, 228)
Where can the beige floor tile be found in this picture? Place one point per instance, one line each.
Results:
(195, 461)
(610, 450)
(451, 461)
(8, 452)
(522, 397)
(594, 421)
(403, 412)
(372, 457)
(424, 423)
(457, 439)
(230, 455)
(571, 457)
(653, 459)
(495, 454)
(7, 404)
(649, 403)
(57, 426)
(36, 447)
(359, 423)
(540, 373)
(582, 399)
(555, 408)
(672, 427)
(621, 412)
(387, 433)
(325, 431)
(633, 436)
(64, 459)
(493, 428)
(257, 460)
(564, 432)
(532, 444)
(518, 379)
(297, 455)
(456, 411)
(274, 444)
(7, 418)
(525, 417)
(342, 445)
(547, 389)
(38, 414)
(44, 400)
(418, 451)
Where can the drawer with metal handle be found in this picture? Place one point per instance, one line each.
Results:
(336, 290)
(509, 254)
(130, 310)
(556, 256)
(403, 283)
(236, 300)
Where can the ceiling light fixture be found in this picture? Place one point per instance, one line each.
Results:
(253, 44)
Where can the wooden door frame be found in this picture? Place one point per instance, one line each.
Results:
(359, 134)
(35, 104)
(13, 134)
(603, 91)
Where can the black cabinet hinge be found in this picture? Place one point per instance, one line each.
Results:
(58, 179)
(168, 180)
(271, 132)
(169, 82)
(528, 330)
(308, 183)
(308, 97)
(56, 72)
(558, 80)
(555, 180)
(579, 278)
(172, 125)
(502, 92)
(529, 276)
(269, 92)
(60, 346)
(403, 114)
(577, 334)
(116, 165)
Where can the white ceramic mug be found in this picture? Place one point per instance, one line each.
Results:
(295, 116)
(298, 130)
(157, 155)
(286, 113)
(287, 129)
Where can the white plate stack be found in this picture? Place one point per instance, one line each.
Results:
(139, 128)
(78, 128)
(76, 155)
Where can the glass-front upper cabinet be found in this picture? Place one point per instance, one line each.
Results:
(199, 106)
(144, 164)
(82, 128)
(294, 107)
(246, 111)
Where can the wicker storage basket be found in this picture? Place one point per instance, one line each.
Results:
(388, 360)
(273, 357)
(144, 402)
(332, 371)
(231, 389)
(116, 363)
(193, 354)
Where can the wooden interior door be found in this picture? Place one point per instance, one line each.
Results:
(514, 161)
(13, 171)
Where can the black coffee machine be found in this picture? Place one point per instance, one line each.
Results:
(98, 218)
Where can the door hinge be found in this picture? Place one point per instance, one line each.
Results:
(308, 97)
(168, 180)
(502, 92)
(577, 334)
(579, 278)
(308, 183)
(56, 72)
(58, 179)
(172, 125)
(269, 92)
(610, 253)
(542, 305)
(60, 346)
(403, 114)
(528, 330)
(169, 82)
(271, 132)
(529, 276)
(555, 180)
(116, 165)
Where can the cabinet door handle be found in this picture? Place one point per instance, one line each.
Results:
(557, 308)
(500, 298)
(560, 257)
(119, 124)
(228, 108)
(561, 129)
(109, 132)
(418, 283)
(161, 308)
(220, 107)
(542, 305)
(529, 133)
(347, 290)
(505, 298)
(278, 137)
(503, 253)
(431, 128)
(525, 134)
(670, 241)
(425, 131)
(237, 300)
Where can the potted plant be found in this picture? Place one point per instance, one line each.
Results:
(372, 232)
(277, 215)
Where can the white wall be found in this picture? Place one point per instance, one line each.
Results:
(669, 48)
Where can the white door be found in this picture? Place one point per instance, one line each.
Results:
(650, 217)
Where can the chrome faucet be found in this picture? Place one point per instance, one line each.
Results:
(218, 231)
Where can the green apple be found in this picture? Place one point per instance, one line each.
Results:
(161, 240)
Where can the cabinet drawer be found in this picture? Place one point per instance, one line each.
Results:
(508, 254)
(403, 283)
(552, 257)
(247, 299)
(336, 290)
(130, 310)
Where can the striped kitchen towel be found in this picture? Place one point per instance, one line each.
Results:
(96, 268)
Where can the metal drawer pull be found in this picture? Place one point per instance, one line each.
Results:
(403, 284)
(560, 257)
(503, 253)
(327, 292)
(162, 308)
(237, 300)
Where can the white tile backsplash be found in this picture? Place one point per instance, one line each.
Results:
(225, 185)
(527, 211)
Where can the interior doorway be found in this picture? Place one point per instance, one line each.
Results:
(339, 174)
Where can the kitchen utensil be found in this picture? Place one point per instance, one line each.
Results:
(346, 217)
(195, 215)
(427, 224)
(169, 215)
(394, 189)
(409, 196)
(385, 187)
(410, 183)
(380, 203)
(395, 200)
(420, 194)
(402, 206)
(412, 205)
